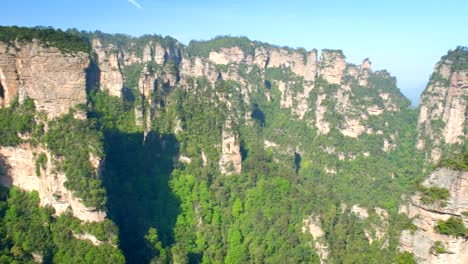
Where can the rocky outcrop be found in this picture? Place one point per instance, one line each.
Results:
(379, 229)
(360, 212)
(295, 77)
(197, 68)
(352, 128)
(111, 78)
(329, 170)
(443, 109)
(389, 143)
(426, 216)
(286, 100)
(20, 171)
(54, 79)
(322, 126)
(351, 97)
(332, 66)
(185, 159)
(312, 226)
(227, 56)
(302, 98)
(374, 110)
(301, 64)
(231, 160)
(304, 65)
(270, 144)
(113, 62)
(365, 71)
(88, 237)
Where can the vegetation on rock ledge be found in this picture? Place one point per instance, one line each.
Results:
(49, 37)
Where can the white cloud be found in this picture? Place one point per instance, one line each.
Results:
(133, 2)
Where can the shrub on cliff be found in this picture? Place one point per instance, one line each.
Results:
(453, 227)
(433, 194)
(14, 120)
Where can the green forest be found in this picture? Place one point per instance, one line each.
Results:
(163, 210)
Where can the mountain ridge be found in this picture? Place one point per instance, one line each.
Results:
(197, 153)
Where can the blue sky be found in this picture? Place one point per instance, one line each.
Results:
(405, 37)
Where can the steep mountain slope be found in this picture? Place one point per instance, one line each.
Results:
(442, 116)
(441, 205)
(222, 151)
(42, 77)
(255, 112)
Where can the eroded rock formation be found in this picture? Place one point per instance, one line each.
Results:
(443, 109)
(421, 241)
(55, 80)
(312, 226)
(230, 161)
(332, 66)
(21, 171)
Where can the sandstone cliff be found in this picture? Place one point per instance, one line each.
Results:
(20, 170)
(301, 64)
(54, 79)
(332, 66)
(132, 63)
(359, 93)
(443, 109)
(328, 94)
(230, 161)
(305, 82)
(441, 134)
(312, 226)
(110, 76)
(421, 241)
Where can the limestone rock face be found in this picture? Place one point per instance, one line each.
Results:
(443, 108)
(231, 160)
(21, 172)
(56, 81)
(426, 217)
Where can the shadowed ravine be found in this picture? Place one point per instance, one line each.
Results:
(136, 177)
